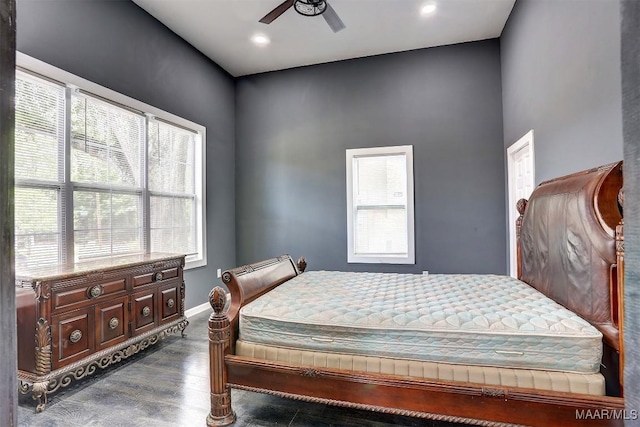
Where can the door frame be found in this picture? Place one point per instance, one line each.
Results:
(526, 141)
(8, 359)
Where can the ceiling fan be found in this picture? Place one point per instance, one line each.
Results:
(307, 8)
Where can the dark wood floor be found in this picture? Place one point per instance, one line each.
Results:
(168, 385)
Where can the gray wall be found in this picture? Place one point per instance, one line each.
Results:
(118, 45)
(292, 129)
(561, 78)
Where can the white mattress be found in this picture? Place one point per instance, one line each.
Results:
(483, 320)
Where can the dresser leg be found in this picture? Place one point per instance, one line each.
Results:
(39, 393)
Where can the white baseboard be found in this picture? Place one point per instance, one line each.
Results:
(197, 309)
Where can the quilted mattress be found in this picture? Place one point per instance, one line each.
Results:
(485, 320)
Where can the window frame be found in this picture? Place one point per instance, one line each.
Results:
(352, 256)
(30, 65)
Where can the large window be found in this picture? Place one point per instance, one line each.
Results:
(99, 174)
(380, 205)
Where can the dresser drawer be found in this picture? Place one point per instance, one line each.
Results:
(158, 275)
(169, 301)
(144, 312)
(75, 297)
(72, 337)
(112, 322)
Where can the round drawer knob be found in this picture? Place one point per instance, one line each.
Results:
(95, 291)
(170, 303)
(146, 311)
(113, 323)
(158, 276)
(75, 336)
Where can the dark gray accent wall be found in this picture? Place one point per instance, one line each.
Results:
(293, 127)
(116, 44)
(561, 78)
(630, 30)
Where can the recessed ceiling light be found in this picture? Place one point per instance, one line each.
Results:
(428, 9)
(260, 40)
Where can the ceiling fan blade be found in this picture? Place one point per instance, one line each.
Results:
(279, 10)
(333, 19)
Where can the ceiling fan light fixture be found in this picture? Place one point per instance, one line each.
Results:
(310, 7)
(307, 8)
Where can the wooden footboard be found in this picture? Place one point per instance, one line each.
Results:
(245, 284)
(454, 402)
(248, 282)
(458, 402)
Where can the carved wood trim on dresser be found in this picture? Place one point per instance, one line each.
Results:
(75, 319)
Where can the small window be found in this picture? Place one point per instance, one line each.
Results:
(380, 225)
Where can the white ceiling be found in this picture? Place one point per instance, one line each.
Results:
(221, 29)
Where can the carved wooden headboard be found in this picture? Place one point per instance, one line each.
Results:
(567, 244)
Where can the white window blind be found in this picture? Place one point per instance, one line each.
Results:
(39, 170)
(380, 205)
(172, 187)
(99, 174)
(107, 143)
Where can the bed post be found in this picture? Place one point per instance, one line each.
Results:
(521, 205)
(620, 287)
(221, 413)
(301, 264)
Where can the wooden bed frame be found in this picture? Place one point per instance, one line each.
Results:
(570, 247)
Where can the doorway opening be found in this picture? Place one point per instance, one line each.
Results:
(521, 179)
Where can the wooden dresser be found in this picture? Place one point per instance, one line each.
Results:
(74, 319)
